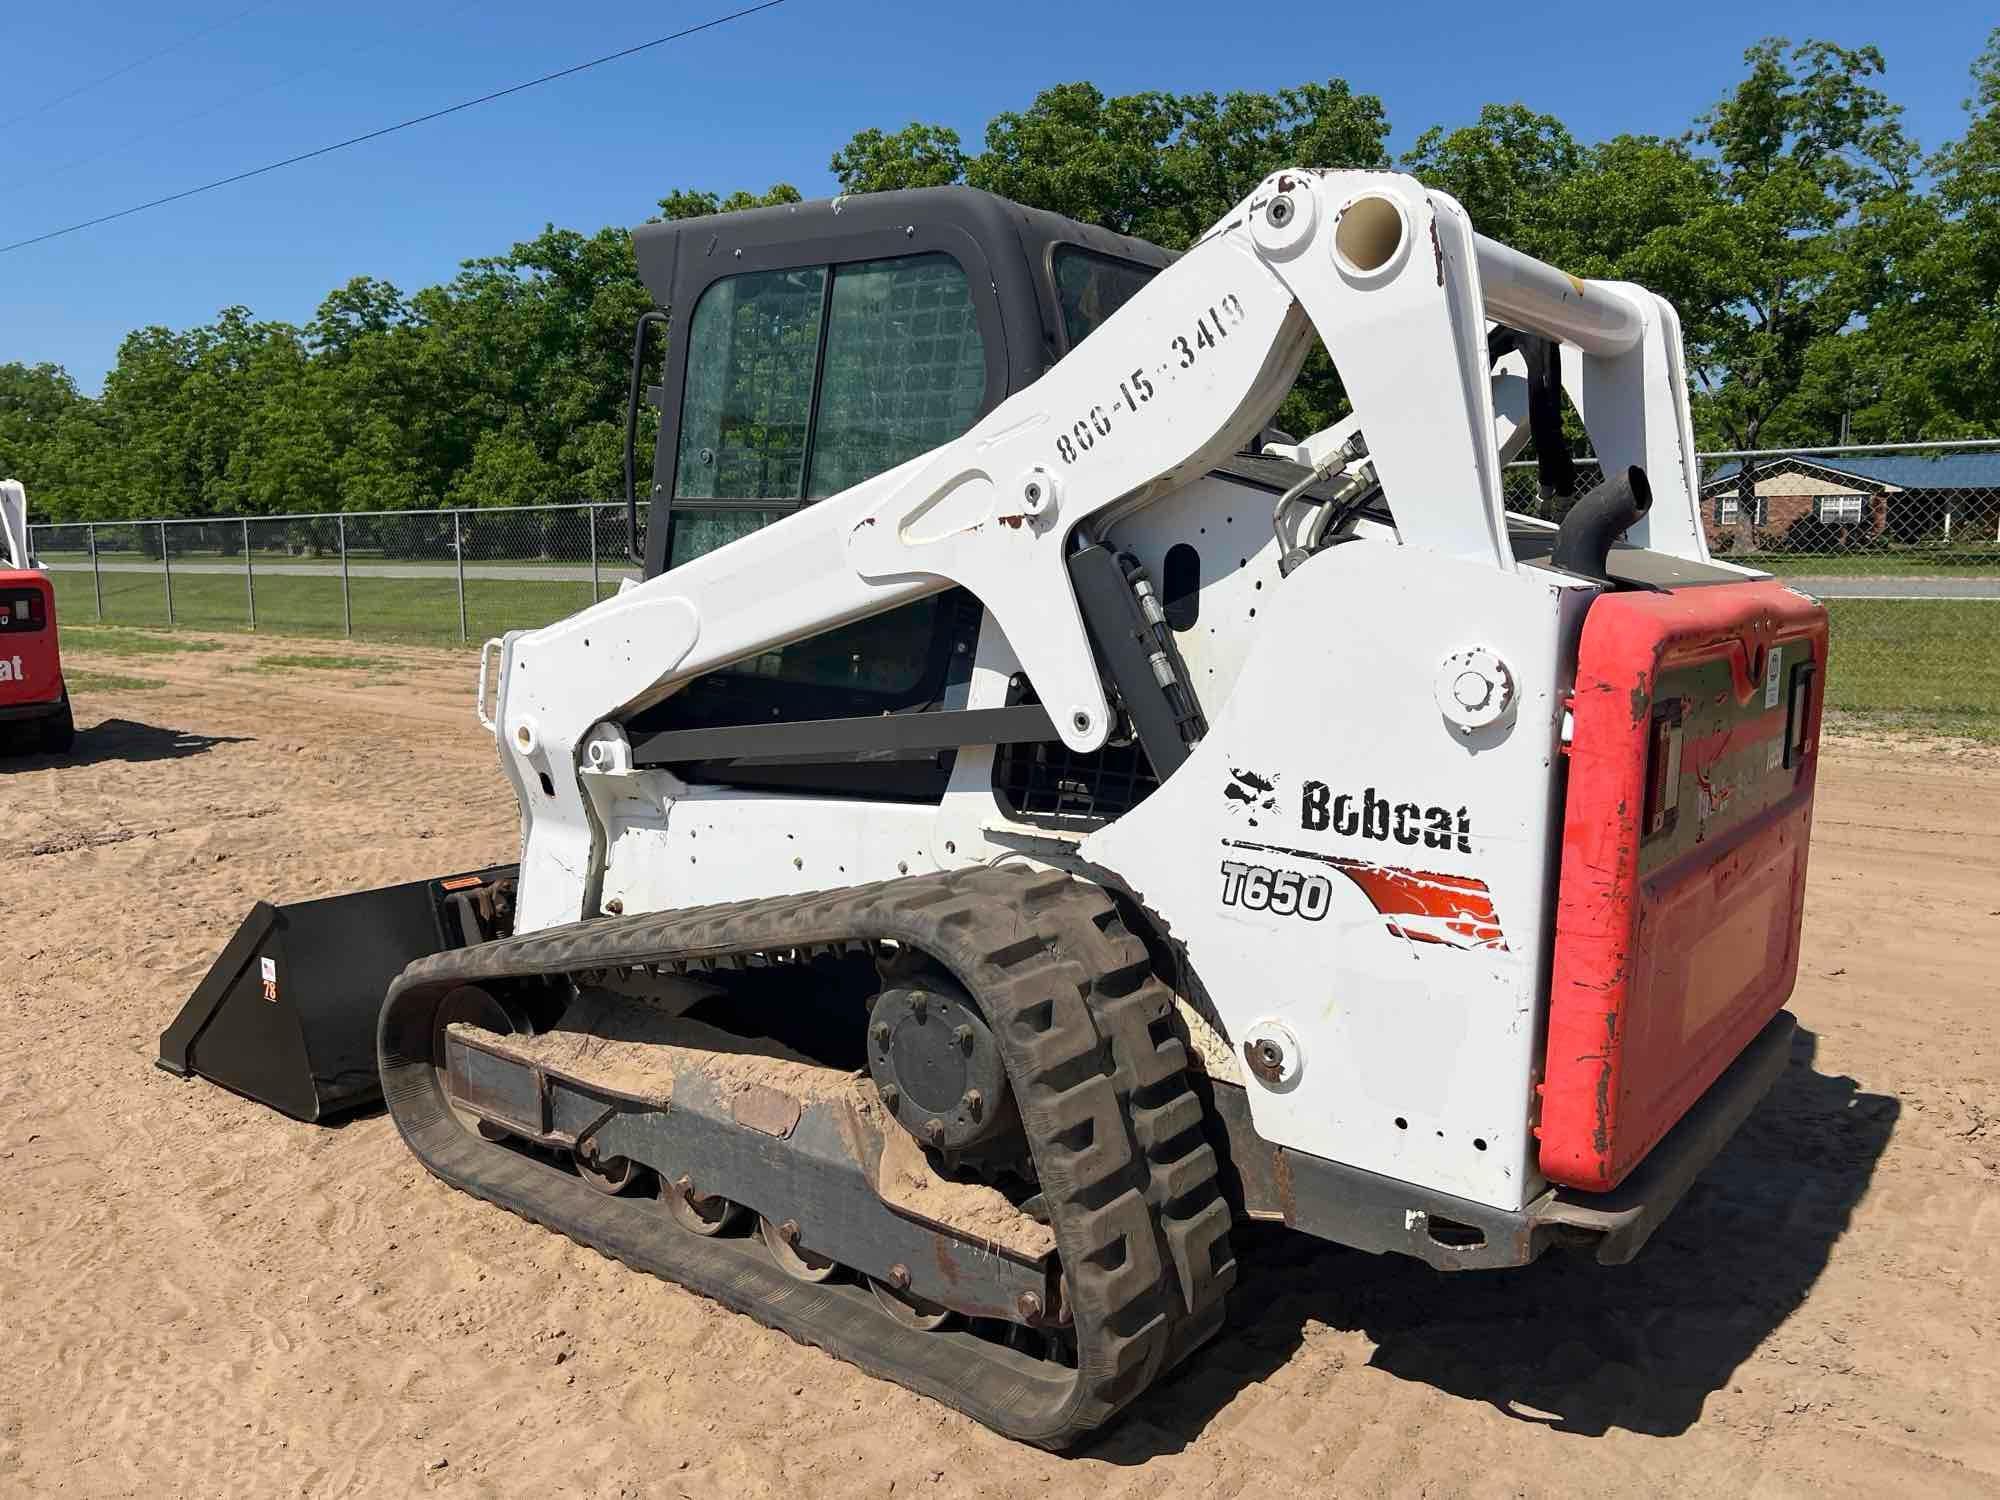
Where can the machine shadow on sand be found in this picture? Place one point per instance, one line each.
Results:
(124, 740)
(1563, 1342)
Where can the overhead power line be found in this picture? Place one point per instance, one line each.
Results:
(374, 135)
(136, 63)
(156, 129)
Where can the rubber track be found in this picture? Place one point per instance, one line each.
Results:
(1083, 1024)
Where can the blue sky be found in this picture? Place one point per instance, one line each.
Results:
(761, 100)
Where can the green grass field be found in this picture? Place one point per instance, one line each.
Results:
(1921, 664)
(412, 610)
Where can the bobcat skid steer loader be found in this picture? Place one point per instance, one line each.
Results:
(34, 699)
(1032, 816)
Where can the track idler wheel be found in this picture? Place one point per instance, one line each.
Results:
(782, 1240)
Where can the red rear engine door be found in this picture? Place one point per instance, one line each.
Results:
(1692, 760)
(30, 665)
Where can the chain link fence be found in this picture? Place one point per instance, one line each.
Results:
(1901, 542)
(418, 576)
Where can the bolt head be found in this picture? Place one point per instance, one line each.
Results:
(789, 1231)
(880, 1031)
(892, 1097)
(973, 1103)
(1472, 689)
(899, 1277)
(919, 1004)
(965, 1037)
(934, 1131)
(1029, 1306)
(1279, 212)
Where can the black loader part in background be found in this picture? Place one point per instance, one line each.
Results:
(286, 1014)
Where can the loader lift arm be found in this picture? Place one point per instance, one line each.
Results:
(1179, 378)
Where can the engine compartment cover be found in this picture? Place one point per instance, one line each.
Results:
(1692, 767)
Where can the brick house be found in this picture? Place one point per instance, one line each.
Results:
(1830, 504)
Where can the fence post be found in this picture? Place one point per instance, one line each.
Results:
(96, 578)
(458, 555)
(346, 599)
(249, 574)
(167, 574)
(593, 554)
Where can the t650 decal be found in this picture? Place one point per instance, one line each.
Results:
(1423, 906)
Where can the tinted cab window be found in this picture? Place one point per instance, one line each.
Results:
(1091, 287)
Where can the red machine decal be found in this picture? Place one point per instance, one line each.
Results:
(1421, 905)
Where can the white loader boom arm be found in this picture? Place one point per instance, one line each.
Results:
(13, 524)
(1388, 274)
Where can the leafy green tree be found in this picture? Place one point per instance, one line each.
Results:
(916, 156)
(1161, 166)
(1507, 169)
(35, 402)
(1927, 364)
(1801, 152)
(692, 203)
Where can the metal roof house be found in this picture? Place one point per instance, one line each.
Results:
(1830, 503)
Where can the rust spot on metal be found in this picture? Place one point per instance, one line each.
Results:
(1012, 523)
(1437, 249)
(946, 1264)
(1266, 1060)
(1281, 1176)
(1600, 1135)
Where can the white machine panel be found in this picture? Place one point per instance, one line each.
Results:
(1352, 867)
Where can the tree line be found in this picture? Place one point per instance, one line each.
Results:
(1833, 278)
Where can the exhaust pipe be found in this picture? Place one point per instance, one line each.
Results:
(1583, 541)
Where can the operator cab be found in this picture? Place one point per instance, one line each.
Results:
(820, 344)
(824, 343)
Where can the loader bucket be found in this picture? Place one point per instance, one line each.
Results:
(286, 1014)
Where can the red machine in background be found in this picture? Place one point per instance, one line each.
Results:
(32, 692)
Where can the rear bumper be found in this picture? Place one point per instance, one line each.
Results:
(1380, 1214)
(15, 712)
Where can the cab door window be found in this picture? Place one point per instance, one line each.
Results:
(752, 345)
(905, 368)
(800, 384)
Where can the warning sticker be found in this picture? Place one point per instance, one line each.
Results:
(1771, 675)
(269, 967)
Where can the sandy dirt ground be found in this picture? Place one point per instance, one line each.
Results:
(199, 1297)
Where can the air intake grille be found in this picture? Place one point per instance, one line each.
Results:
(1047, 781)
